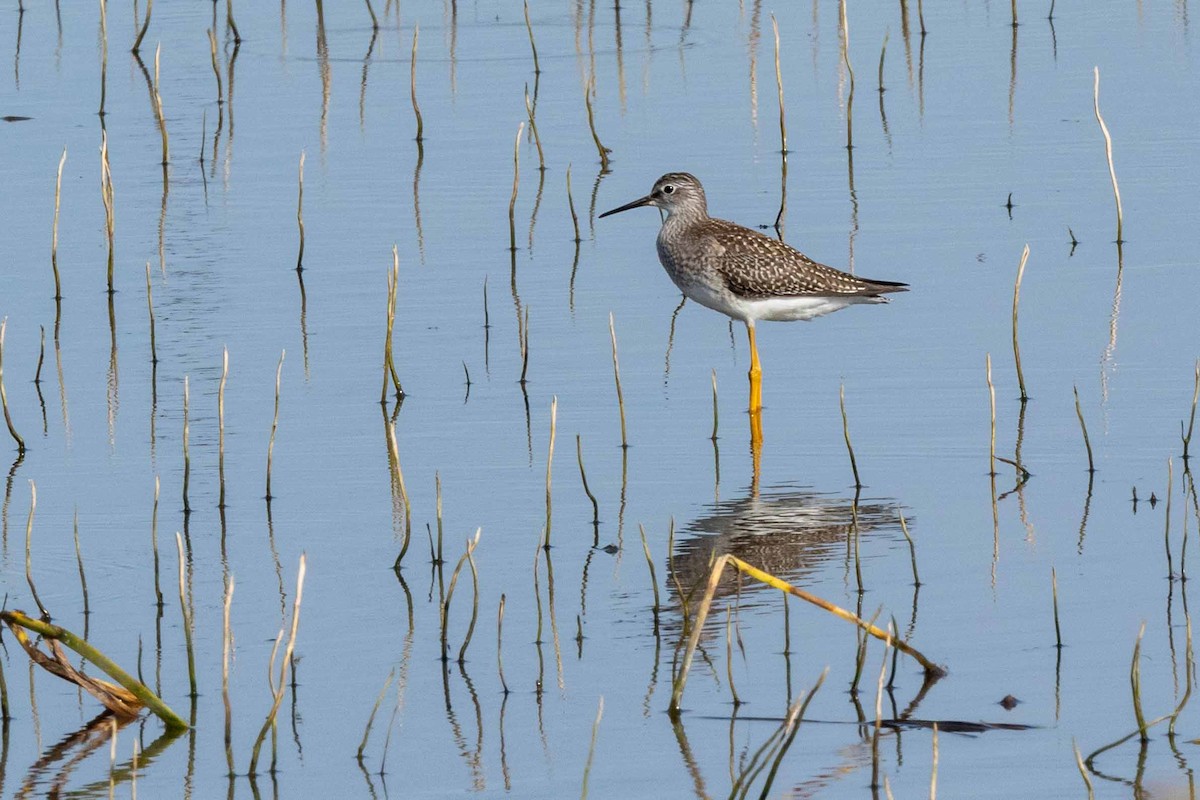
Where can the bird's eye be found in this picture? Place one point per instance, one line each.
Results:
(668, 189)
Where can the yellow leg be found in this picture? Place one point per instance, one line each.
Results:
(755, 373)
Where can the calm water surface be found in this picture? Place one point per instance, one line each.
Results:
(974, 113)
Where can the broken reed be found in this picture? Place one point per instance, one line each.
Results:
(1083, 427)
(389, 363)
(571, 206)
(512, 201)
(274, 424)
(412, 80)
(550, 465)
(532, 45)
(106, 196)
(1107, 149)
(779, 83)
(158, 106)
(187, 618)
(1016, 300)
(612, 332)
(4, 397)
(281, 686)
(845, 432)
(589, 89)
(300, 214)
(932, 671)
(54, 229)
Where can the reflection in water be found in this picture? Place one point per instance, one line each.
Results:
(326, 75)
(752, 43)
(1012, 75)
(114, 402)
(362, 92)
(1106, 360)
(786, 531)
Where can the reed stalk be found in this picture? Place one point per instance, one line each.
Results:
(103, 56)
(850, 71)
(374, 27)
(212, 51)
(389, 361)
(653, 577)
(437, 484)
(912, 550)
(412, 80)
(4, 397)
(783, 148)
(571, 206)
(934, 770)
(187, 618)
(226, 653)
(587, 767)
(499, 645)
(1112, 172)
(550, 464)
(992, 395)
(106, 196)
(1054, 596)
(187, 460)
(274, 424)
(537, 70)
(537, 140)
(230, 24)
(300, 214)
(283, 669)
(882, 56)
(1083, 427)
(716, 416)
(1167, 518)
(589, 89)
(150, 310)
(932, 671)
(221, 426)
(29, 551)
(1014, 13)
(371, 717)
(1135, 683)
(158, 105)
(921, 14)
(462, 650)
(17, 619)
(445, 606)
(1016, 300)
(512, 201)
(845, 434)
(54, 229)
(1187, 438)
(1083, 773)
(612, 332)
(137, 43)
(583, 477)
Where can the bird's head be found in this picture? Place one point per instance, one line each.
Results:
(674, 193)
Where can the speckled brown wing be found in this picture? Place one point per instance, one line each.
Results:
(754, 265)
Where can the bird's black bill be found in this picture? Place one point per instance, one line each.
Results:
(642, 201)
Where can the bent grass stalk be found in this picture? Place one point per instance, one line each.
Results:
(583, 477)
(79, 562)
(912, 550)
(54, 229)
(588, 90)
(653, 577)
(1016, 300)
(4, 397)
(1135, 683)
(29, 550)
(106, 196)
(462, 651)
(532, 46)
(445, 609)
(499, 645)
(512, 201)
(783, 148)
(158, 105)
(537, 140)
(587, 767)
(371, 717)
(1083, 773)
(1054, 597)
(571, 206)
(932, 670)
(1112, 172)
(389, 362)
(269, 723)
(1187, 438)
(137, 43)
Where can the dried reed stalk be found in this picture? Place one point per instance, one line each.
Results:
(1016, 300)
(1112, 172)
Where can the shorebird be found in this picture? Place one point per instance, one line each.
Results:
(742, 273)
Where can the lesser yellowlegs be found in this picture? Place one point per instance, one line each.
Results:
(742, 273)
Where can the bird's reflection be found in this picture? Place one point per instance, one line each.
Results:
(787, 531)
